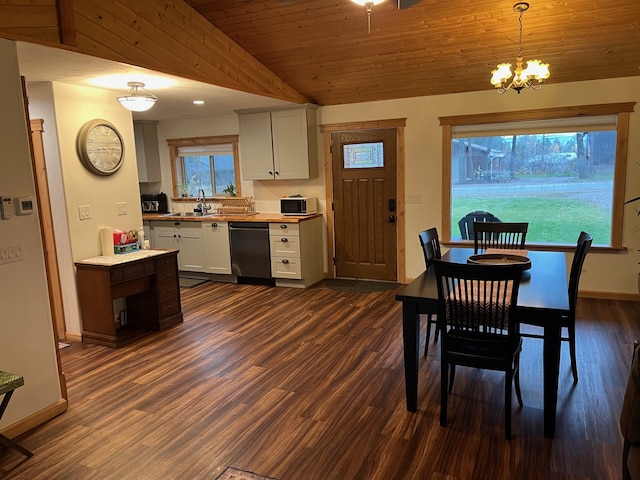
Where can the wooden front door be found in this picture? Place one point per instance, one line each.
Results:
(365, 206)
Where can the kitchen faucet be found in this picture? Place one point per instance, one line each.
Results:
(202, 202)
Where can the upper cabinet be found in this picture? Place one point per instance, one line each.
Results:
(147, 151)
(279, 144)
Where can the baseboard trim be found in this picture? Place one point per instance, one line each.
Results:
(36, 419)
(631, 297)
(73, 337)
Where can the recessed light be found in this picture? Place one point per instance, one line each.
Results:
(198, 102)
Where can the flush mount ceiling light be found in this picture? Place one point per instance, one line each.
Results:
(137, 99)
(368, 5)
(523, 78)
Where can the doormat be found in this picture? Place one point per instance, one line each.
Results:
(187, 282)
(359, 286)
(231, 473)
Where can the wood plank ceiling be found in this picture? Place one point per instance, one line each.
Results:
(322, 49)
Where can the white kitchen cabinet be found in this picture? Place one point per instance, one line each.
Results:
(278, 144)
(185, 237)
(147, 151)
(215, 236)
(297, 253)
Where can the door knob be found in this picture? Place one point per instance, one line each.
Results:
(392, 219)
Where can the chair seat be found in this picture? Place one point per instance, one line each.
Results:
(481, 349)
(10, 381)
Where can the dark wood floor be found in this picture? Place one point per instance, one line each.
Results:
(308, 384)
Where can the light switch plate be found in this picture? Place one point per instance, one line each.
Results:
(122, 208)
(84, 211)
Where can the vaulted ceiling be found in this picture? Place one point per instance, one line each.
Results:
(322, 49)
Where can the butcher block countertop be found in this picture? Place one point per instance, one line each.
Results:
(254, 217)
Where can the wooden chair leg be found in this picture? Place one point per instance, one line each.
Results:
(426, 342)
(507, 404)
(7, 442)
(443, 392)
(517, 381)
(571, 330)
(452, 377)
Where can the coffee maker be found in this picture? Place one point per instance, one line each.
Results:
(154, 203)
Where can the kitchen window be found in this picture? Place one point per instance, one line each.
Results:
(561, 170)
(204, 163)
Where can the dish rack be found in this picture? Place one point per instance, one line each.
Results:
(236, 205)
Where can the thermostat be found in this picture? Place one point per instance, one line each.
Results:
(24, 205)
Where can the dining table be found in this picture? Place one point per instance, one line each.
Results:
(542, 301)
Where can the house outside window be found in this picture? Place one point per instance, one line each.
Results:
(560, 171)
(205, 163)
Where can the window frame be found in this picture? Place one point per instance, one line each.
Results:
(174, 145)
(621, 110)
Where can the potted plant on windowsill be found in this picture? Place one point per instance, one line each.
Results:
(230, 190)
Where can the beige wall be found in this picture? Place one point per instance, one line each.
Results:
(27, 345)
(65, 108)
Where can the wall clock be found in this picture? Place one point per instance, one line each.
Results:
(100, 147)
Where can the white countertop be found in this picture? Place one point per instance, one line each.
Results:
(109, 260)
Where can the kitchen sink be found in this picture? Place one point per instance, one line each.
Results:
(188, 214)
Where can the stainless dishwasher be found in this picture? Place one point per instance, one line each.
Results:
(250, 255)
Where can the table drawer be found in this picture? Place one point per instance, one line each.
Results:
(286, 267)
(132, 270)
(285, 246)
(284, 229)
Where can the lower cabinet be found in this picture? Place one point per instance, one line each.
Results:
(185, 237)
(296, 253)
(215, 236)
(296, 249)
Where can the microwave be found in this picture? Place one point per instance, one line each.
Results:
(298, 205)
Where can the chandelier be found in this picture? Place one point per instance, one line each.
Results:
(137, 99)
(368, 5)
(522, 78)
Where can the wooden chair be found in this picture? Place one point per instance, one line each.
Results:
(430, 243)
(510, 235)
(569, 320)
(466, 222)
(8, 383)
(479, 326)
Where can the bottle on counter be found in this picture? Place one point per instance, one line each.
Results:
(143, 245)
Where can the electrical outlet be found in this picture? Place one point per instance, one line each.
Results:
(84, 211)
(122, 208)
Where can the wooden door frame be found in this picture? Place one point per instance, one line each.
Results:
(38, 170)
(398, 124)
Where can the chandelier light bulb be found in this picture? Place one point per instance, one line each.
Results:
(536, 71)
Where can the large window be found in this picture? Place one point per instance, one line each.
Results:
(561, 170)
(204, 163)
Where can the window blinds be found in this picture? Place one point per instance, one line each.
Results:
(558, 125)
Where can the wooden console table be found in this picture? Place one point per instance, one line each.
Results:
(148, 279)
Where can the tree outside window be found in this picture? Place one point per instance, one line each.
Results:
(560, 170)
